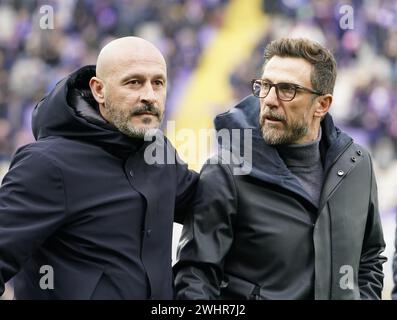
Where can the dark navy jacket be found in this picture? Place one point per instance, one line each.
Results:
(83, 201)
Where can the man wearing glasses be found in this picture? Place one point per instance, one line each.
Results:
(304, 223)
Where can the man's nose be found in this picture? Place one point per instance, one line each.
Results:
(148, 94)
(271, 99)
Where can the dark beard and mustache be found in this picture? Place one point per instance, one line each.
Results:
(292, 132)
(121, 119)
(146, 108)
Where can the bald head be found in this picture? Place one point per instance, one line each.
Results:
(130, 85)
(121, 51)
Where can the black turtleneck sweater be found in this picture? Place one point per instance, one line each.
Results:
(304, 161)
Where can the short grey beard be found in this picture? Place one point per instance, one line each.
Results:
(122, 124)
(295, 132)
(131, 131)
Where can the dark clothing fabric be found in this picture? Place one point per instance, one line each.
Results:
(82, 200)
(261, 236)
(304, 161)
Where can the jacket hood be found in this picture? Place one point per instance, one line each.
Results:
(70, 111)
(267, 165)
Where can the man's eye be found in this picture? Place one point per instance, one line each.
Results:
(286, 87)
(159, 83)
(134, 82)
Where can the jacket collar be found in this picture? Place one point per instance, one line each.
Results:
(71, 112)
(267, 165)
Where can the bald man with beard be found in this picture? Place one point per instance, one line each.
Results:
(82, 214)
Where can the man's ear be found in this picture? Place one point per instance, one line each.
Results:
(98, 90)
(322, 105)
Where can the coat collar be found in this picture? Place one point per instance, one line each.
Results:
(71, 112)
(267, 165)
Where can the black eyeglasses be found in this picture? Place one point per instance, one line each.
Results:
(284, 91)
